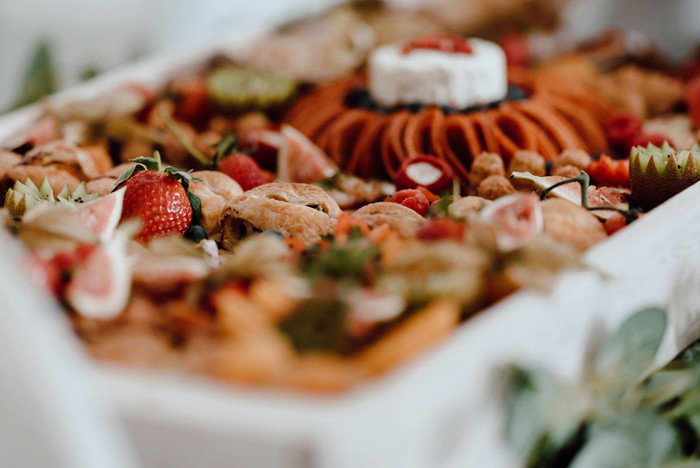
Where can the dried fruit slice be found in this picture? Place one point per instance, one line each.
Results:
(99, 288)
(102, 216)
(300, 160)
(658, 173)
(516, 218)
(234, 88)
(597, 197)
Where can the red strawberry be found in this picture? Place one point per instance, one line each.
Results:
(159, 199)
(441, 228)
(413, 199)
(244, 170)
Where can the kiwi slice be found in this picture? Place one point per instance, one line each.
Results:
(233, 88)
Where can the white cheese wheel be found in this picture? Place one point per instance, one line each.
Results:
(428, 76)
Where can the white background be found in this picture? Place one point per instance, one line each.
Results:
(104, 33)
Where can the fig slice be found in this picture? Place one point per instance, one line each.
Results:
(300, 160)
(597, 197)
(99, 287)
(102, 215)
(516, 218)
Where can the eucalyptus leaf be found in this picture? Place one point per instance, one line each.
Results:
(640, 439)
(680, 464)
(691, 354)
(540, 417)
(627, 354)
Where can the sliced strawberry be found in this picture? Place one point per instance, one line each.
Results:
(413, 199)
(441, 228)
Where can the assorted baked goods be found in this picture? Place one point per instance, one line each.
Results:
(251, 224)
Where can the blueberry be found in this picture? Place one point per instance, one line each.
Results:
(516, 94)
(273, 233)
(447, 110)
(196, 233)
(355, 97)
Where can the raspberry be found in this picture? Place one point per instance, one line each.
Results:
(413, 199)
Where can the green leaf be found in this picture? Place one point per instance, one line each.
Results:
(196, 204)
(640, 439)
(627, 354)
(680, 464)
(172, 126)
(39, 79)
(540, 417)
(127, 175)
(318, 324)
(691, 354)
(185, 178)
(151, 164)
(226, 146)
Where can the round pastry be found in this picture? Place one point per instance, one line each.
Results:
(66, 156)
(537, 113)
(215, 190)
(401, 219)
(302, 211)
(106, 182)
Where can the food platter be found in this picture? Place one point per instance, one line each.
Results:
(440, 409)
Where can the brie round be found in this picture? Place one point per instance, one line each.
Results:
(428, 76)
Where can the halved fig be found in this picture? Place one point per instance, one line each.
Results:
(516, 217)
(263, 145)
(424, 171)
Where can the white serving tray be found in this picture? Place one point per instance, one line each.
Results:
(440, 410)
